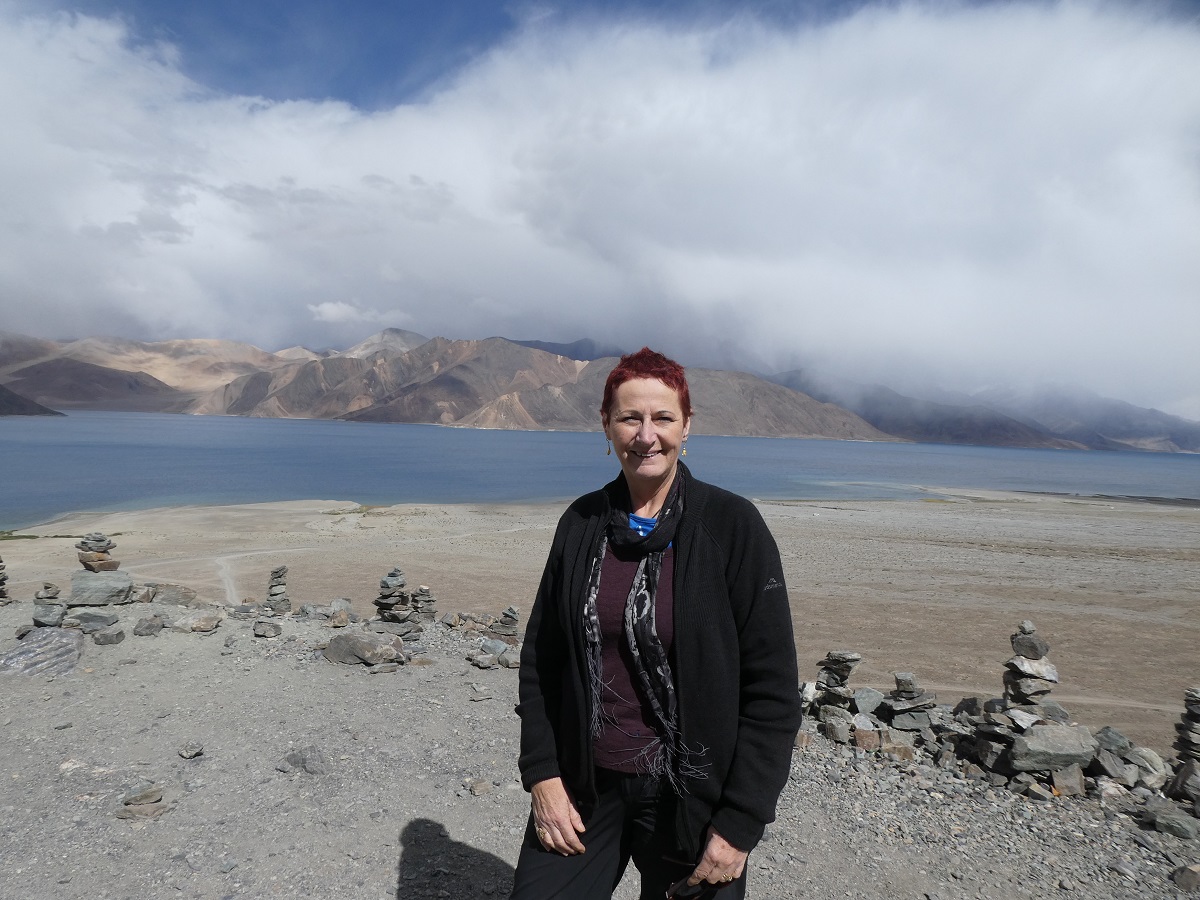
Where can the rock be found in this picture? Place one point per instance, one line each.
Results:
(100, 589)
(359, 648)
(202, 621)
(1187, 878)
(1029, 646)
(837, 731)
(509, 660)
(866, 700)
(49, 591)
(143, 792)
(174, 594)
(1186, 783)
(91, 620)
(267, 629)
(44, 651)
(1169, 820)
(1112, 740)
(149, 626)
(306, 759)
(191, 750)
(143, 810)
(910, 721)
(46, 615)
(1068, 782)
(1034, 668)
(1153, 772)
(107, 636)
(493, 646)
(341, 603)
(338, 619)
(1045, 748)
(102, 565)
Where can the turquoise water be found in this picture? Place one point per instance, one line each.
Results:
(100, 461)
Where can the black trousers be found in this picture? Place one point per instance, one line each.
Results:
(630, 821)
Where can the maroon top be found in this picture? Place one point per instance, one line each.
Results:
(628, 724)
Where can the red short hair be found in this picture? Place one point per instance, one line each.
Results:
(647, 363)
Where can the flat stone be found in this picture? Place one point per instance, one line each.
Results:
(1050, 747)
(100, 589)
(360, 648)
(202, 621)
(149, 626)
(90, 619)
(267, 629)
(144, 810)
(1174, 821)
(113, 634)
(44, 651)
(1106, 764)
(400, 629)
(143, 792)
(1022, 719)
(1034, 668)
(102, 565)
(906, 683)
(910, 721)
(191, 750)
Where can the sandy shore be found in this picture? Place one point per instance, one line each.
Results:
(932, 587)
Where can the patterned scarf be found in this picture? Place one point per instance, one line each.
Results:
(666, 757)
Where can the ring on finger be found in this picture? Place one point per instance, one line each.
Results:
(541, 832)
(728, 876)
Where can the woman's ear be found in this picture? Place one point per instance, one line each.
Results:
(687, 427)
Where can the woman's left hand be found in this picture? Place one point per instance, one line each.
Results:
(722, 862)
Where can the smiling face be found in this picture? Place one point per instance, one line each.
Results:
(647, 428)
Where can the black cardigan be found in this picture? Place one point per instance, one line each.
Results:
(734, 662)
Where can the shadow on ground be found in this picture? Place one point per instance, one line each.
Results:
(432, 864)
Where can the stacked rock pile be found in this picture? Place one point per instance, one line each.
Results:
(401, 612)
(1188, 743)
(1024, 740)
(1029, 676)
(100, 584)
(3, 584)
(277, 595)
(95, 553)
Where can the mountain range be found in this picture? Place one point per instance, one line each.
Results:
(401, 376)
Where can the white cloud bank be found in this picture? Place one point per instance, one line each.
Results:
(980, 194)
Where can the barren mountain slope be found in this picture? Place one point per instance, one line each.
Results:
(191, 365)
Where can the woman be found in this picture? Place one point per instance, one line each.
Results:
(658, 687)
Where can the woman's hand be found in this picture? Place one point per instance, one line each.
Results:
(722, 862)
(555, 817)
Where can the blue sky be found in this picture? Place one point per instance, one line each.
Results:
(963, 193)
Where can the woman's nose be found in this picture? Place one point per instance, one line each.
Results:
(645, 434)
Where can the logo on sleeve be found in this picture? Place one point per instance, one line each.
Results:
(772, 584)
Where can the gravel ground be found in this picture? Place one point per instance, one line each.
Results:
(419, 795)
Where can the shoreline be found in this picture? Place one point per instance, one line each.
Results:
(934, 586)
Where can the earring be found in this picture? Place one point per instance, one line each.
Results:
(608, 452)
(684, 453)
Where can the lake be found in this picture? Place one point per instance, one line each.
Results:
(109, 460)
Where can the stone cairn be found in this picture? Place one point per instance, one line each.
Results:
(277, 595)
(1188, 743)
(402, 612)
(94, 553)
(3, 585)
(1023, 740)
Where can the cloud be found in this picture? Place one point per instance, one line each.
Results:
(972, 193)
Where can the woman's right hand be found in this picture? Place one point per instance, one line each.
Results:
(555, 817)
